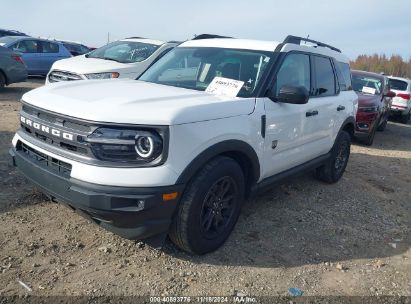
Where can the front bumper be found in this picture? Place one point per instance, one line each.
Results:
(133, 213)
(365, 123)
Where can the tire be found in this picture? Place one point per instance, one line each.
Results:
(382, 126)
(201, 223)
(405, 118)
(2, 80)
(368, 141)
(334, 168)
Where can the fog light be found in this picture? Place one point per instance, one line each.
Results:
(363, 125)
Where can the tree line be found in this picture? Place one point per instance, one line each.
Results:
(394, 65)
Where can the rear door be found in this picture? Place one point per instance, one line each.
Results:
(50, 52)
(30, 50)
(322, 113)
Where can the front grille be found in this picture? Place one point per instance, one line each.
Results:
(41, 159)
(56, 76)
(77, 130)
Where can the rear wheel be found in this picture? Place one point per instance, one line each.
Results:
(334, 168)
(209, 208)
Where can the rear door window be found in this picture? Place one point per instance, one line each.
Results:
(324, 76)
(49, 47)
(396, 84)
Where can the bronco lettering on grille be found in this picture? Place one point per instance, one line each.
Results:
(47, 129)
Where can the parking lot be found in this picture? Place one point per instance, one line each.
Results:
(349, 238)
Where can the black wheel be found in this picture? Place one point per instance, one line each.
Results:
(405, 118)
(209, 208)
(383, 125)
(368, 141)
(2, 81)
(334, 168)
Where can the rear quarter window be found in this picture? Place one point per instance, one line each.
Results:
(344, 76)
(396, 84)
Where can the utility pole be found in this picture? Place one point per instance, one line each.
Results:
(108, 37)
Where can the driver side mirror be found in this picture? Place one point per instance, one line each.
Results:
(390, 94)
(290, 94)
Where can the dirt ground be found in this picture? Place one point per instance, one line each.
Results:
(351, 238)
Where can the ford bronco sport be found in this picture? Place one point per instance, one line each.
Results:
(177, 152)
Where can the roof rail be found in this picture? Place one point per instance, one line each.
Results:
(135, 38)
(208, 36)
(173, 41)
(297, 40)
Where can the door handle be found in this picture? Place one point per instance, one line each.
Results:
(311, 113)
(340, 108)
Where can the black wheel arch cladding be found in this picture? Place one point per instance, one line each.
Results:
(239, 150)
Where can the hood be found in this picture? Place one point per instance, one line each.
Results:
(135, 102)
(367, 100)
(83, 65)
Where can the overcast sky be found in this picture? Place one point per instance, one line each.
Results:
(355, 26)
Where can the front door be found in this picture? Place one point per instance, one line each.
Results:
(284, 145)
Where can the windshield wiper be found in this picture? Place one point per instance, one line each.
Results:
(104, 58)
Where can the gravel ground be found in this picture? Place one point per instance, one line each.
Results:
(347, 239)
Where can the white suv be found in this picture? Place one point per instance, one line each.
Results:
(177, 152)
(126, 58)
(401, 104)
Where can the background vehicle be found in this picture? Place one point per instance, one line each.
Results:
(38, 54)
(401, 104)
(126, 58)
(171, 154)
(12, 67)
(75, 48)
(374, 102)
(4, 32)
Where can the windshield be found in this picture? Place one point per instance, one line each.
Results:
(125, 51)
(194, 68)
(366, 84)
(6, 40)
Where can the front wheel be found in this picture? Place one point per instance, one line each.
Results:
(209, 208)
(2, 81)
(383, 125)
(334, 168)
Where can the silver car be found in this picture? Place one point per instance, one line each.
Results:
(12, 67)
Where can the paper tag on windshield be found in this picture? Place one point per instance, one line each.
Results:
(224, 86)
(368, 90)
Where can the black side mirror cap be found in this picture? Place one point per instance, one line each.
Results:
(291, 94)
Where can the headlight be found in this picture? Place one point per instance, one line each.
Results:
(102, 75)
(127, 145)
(368, 109)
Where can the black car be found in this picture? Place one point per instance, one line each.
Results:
(75, 48)
(11, 33)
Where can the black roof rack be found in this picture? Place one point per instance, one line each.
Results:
(208, 36)
(135, 38)
(174, 41)
(297, 40)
